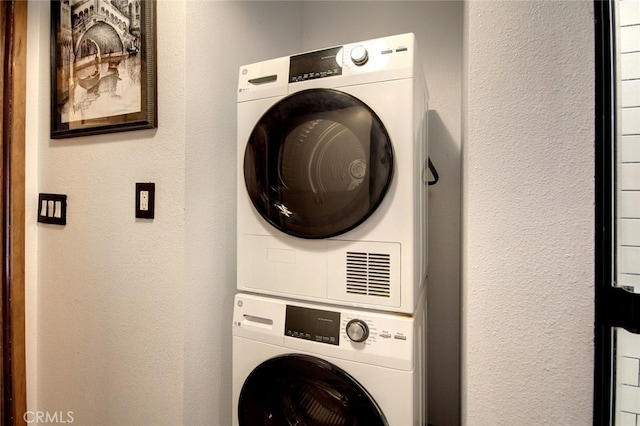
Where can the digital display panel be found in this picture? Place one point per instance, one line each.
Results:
(319, 64)
(312, 324)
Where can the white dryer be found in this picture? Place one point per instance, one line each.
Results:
(297, 363)
(332, 191)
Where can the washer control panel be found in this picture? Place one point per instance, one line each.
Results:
(312, 324)
(328, 327)
(373, 331)
(363, 336)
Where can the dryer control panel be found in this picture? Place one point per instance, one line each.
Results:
(364, 62)
(318, 64)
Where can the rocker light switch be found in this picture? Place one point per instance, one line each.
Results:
(145, 200)
(52, 208)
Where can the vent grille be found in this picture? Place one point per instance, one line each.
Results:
(369, 274)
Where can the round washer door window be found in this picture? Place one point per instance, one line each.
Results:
(305, 390)
(318, 163)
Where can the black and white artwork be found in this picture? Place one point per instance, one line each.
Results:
(103, 66)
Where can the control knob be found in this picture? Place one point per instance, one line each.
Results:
(357, 330)
(359, 55)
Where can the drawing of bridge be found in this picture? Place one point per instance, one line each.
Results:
(103, 33)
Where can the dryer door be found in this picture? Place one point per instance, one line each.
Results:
(305, 390)
(318, 163)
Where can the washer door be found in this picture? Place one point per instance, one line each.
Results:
(318, 163)
(305, 390)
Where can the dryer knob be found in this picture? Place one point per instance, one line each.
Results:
(357, 330)
(359, 55)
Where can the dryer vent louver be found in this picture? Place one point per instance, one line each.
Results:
(369, 274)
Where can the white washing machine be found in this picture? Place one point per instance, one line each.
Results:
(332, 175)
(298, 363)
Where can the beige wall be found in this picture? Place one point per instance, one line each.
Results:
(110, 288)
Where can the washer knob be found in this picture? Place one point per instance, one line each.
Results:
(359, 55)
(357, 330)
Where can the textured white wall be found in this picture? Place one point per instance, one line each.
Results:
(109, 287)
(528, 228)
(221, 36)
(37, 49)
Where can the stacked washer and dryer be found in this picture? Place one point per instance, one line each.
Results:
(329, 326)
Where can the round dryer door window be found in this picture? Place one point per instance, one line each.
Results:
(305, 390)
(318, 163)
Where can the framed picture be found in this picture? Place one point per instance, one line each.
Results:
(103, 66)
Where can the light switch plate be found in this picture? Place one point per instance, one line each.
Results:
(145, 200)
(52, 208)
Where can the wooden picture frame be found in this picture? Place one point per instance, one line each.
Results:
(103, 66)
